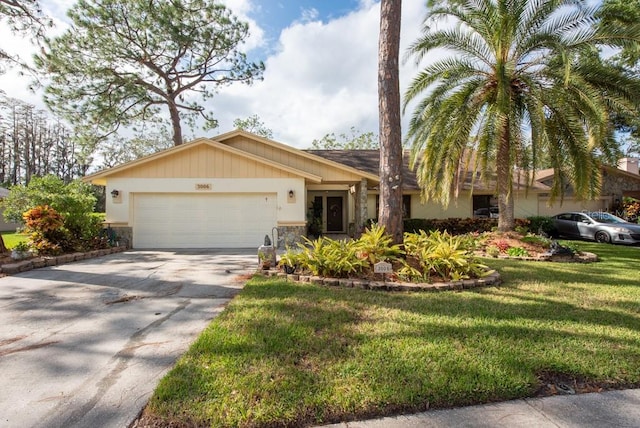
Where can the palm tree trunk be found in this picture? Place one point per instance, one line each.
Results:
(506, 219)
(390, 215)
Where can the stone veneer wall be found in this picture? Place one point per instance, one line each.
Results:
(125, 235)
(289, 236)
(615, 184)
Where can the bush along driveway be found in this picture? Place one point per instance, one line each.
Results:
(291, 354)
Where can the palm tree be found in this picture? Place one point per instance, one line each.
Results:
(512, 86)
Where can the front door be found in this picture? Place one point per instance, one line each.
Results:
(335, 220)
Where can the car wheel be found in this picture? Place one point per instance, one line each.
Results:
(603, 237)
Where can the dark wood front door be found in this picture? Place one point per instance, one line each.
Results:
(335, 221)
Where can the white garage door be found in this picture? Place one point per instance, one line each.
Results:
(167, 220)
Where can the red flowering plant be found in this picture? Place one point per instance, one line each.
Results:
(45, 226)
(631, 208)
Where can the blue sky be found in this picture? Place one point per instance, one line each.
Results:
(274, 15)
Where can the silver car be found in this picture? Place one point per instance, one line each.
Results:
(597, 226)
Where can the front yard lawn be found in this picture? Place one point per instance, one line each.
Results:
(287, 354)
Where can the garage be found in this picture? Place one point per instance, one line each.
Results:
(191, 220)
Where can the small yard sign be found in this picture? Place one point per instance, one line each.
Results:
(382, 267)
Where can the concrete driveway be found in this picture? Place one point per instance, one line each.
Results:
(84, 344)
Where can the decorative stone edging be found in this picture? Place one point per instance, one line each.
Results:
(39, 262)
(491, 279)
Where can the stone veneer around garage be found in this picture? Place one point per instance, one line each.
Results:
(289, 236)
(124, 235)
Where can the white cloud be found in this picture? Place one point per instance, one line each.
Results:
(321, 79)
(309, 15)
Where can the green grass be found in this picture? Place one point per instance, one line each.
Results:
(287, 354)
(11, 239)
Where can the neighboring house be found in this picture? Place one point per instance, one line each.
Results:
(233, 189)
(4, 225)
(617, 183)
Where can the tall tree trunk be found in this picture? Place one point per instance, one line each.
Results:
(506, 218)
(15, 168)
(175, 123)
(390, 215)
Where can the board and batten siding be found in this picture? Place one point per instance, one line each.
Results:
(300, 160)
(203, 162)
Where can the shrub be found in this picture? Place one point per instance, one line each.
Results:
(517, 252)
(540, 225)
(631, 209)
(493, 251)
(328, 257)
(439, 254)
(433, 254)
(290, 260)
(45, 227)
(22, 247)
(571, 245)
(375, 245)
(74, 202)
(502, 244)
(456, 226)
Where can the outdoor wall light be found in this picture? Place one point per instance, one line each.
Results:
(114, 193)
(291, 194)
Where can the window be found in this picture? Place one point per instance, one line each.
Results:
(406, 206)
(485, 206)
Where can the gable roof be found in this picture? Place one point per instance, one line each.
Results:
(336, 162)
(547, 174)
(100, 177)
(224, 142)
(368, 161)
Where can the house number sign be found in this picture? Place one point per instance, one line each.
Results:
(203, 186)
(382, 267)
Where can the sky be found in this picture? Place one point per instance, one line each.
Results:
(320, 58)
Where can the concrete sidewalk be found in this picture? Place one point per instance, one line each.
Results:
(618, 409)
